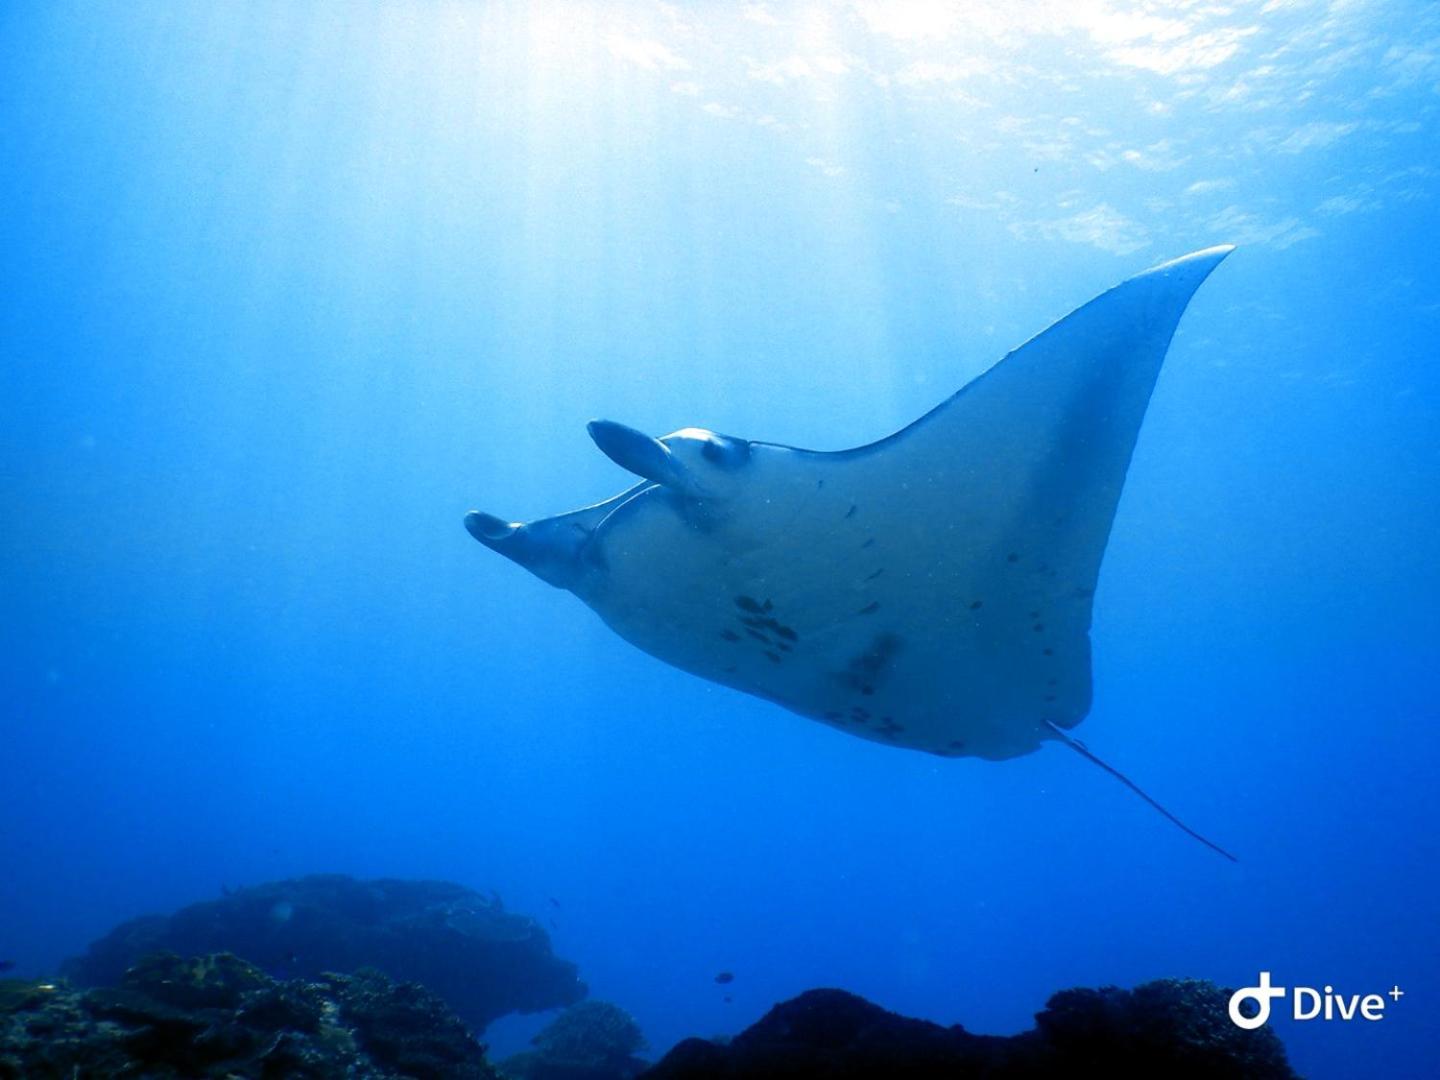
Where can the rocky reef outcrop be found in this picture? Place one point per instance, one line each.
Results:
(1178, 1029)
(594, 1040)
(218, 1016)
(483, 960)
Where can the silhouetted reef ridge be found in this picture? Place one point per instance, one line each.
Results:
(1173, 1028)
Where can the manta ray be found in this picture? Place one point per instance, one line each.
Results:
(932, 590)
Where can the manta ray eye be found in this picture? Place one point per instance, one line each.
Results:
(726, 452)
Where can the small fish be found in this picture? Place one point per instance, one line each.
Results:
(554, 901)
(725, 977)
(728, 999)
(6, 965)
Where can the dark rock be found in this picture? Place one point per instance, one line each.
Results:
(594, 1040)
(483, 960)
(217, 1016)
(1180, 1026)
(1177, 1029)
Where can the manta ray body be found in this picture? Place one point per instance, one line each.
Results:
(932, 590)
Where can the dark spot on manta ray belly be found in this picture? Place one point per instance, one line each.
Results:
(769, 622)
(867, 668)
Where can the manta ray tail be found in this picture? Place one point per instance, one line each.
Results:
(1085, 752)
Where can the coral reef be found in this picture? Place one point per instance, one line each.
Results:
(483, 960)
(594, 1040)
(218, 1016)
(1178, 1029)
(260, 999)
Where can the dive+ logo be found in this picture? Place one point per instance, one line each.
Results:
(1308, 1003)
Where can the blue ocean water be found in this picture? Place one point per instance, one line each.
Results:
(288, 288)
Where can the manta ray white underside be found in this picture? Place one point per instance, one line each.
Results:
(932, 590)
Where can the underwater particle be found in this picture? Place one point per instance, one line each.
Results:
(725, 977)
